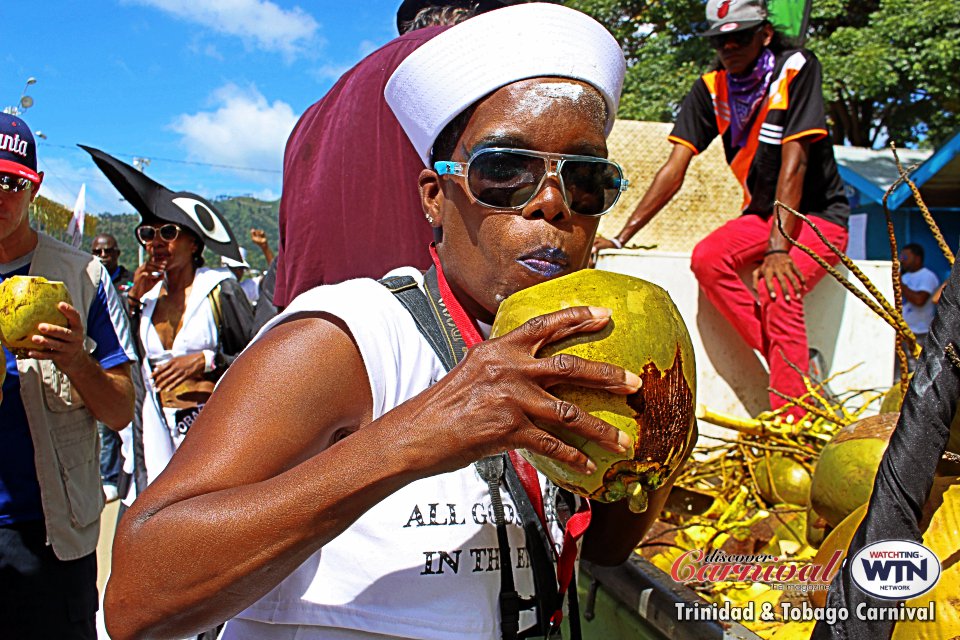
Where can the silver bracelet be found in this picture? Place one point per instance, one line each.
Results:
(616, 243)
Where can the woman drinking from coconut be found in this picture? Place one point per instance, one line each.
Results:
(341, 499)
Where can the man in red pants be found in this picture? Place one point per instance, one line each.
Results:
(765, 101)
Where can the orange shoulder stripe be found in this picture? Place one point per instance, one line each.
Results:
(819, 134)
(686, 143)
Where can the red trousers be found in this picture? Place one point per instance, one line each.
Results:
(774, 327)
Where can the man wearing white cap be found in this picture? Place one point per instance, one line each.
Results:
(342, 500)
(238, 268)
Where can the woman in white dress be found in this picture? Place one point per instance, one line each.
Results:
(193, 323)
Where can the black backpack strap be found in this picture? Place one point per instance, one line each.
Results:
(408, 293)
(541, 559)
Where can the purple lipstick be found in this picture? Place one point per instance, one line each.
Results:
(546, 261)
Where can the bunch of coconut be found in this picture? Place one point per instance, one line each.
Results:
(25, 303)
(645, 335)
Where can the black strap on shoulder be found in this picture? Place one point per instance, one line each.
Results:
(436, 326)
(415, 301)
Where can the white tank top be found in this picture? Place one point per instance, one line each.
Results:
(423, 563)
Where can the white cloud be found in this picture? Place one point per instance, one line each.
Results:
(244, 130)
(259, 22)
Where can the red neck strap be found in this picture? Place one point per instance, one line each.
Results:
(579, 522)
(465, 323)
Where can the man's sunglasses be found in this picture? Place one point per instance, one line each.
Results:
(739, 38)
(11, 183)
(167, 233)
(510, 178)
(104, 252)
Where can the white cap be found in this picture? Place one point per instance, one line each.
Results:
(456, 68)
(233, 264)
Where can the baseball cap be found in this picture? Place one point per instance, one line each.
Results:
(236, 264)
(729, 16)
(18, 150)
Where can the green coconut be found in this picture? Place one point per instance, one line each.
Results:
(25, 303)
(781, 479)
(843, 477)
(646, 335)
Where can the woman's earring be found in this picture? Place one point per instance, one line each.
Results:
(428, 217)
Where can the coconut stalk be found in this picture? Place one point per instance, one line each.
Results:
(881, 307)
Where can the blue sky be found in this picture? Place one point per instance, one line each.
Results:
(217, 82)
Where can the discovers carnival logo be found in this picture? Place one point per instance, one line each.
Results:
(895, 569)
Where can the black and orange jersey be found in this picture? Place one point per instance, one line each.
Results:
(792, 109)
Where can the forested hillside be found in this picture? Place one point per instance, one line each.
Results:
(242, 214)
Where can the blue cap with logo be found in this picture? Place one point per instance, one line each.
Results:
(18, 150)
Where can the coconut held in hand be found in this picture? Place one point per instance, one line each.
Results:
(646, 335)
(25, 303)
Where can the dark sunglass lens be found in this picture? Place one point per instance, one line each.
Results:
(504, 179)
(169, 232)
(145, 234)
(592, 187)
(739, 38)
(13, 183)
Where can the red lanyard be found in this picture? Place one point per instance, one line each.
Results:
(580, 520)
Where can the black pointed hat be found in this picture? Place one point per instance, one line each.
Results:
(155, 203)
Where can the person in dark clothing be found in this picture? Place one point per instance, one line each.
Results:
(265, 309)
(765, 101)
(105, 248)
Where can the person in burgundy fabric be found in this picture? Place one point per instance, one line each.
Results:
(344, 212)
(765, 101)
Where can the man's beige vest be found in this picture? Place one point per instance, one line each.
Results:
(65, 442)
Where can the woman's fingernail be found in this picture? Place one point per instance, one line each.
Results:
(600, 312)
(632, 380)
(624, 440)
(589, 467)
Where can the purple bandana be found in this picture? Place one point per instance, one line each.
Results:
(745, 92)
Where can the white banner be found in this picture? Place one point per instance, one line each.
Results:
(75, 228)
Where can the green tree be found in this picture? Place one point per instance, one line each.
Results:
(890, 66)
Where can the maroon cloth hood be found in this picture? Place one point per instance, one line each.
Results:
(350, 206)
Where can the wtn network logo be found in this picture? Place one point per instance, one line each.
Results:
(895, 569)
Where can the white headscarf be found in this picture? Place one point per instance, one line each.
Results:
(449, 73)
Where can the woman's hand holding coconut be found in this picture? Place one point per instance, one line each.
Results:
(500, 388)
